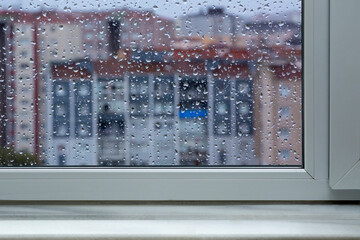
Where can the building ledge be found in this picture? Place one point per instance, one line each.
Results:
(177, 221)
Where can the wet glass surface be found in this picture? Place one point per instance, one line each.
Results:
(151, 83)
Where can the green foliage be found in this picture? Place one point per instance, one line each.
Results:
(11, 158)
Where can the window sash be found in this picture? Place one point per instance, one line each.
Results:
(345, 88)
(141, 184)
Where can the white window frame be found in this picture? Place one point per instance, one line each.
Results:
(166, 184)
(345, 96)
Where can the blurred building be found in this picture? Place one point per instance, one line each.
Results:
(216, 27)
(17, 105)
(57, 38)
(141, 30)
(94, 33)
(31, 40)
(152, 111)
(213, 27)
(156, 111)
(109, 33)
(271, 33)
(233, 112)
(111, 126)
(3, 83)
(278, 113)
(71, 129)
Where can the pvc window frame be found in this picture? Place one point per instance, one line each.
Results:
(215, 184)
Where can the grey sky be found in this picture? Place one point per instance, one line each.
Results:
(169, 8)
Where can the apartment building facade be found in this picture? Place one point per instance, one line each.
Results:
(211, 27)
(161, 113)
(71, 129)
(278, 115)
(31, 41)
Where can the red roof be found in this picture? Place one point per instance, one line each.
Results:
(288, 71)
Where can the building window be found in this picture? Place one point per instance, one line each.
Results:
(284, 112)
(284, 154)
(284, 133)
(284, 91)
(24, 66)
(24, 53)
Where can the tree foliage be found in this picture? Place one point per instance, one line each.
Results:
(11, 158)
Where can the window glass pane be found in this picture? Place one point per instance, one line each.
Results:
(151, 83)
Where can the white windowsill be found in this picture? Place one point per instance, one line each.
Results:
(155, 221)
